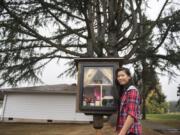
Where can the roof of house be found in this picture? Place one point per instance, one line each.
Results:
(60, 88)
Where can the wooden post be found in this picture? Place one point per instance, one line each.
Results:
(98, 123)
(99, 132)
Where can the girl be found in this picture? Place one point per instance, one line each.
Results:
(128, 122)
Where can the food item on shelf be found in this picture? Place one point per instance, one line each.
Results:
(107, 101)
(97, 93)
(88, 101)
(97, 103)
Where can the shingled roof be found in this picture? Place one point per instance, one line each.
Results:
(60, 88)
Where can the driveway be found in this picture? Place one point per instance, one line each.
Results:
(160, 128)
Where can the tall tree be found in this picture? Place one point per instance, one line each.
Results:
(156, 102)
(147, 81)
(178, 94)
(83, 28)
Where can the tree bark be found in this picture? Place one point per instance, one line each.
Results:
(144, 109)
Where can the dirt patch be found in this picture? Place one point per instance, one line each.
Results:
(51, 129)
(60, 129)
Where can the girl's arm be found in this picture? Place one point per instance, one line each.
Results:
(132, 108)
(129, 121)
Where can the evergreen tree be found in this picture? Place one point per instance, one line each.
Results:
(86, 28)
(83, 28)
(178, 94)
(155, 101)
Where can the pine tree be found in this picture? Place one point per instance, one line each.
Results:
(83, 28)
(86, 28)
(178, 94)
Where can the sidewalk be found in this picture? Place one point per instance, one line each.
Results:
(160, 128)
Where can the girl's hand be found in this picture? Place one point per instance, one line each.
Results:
(122, 133)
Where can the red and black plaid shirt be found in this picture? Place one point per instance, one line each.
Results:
(130, 105)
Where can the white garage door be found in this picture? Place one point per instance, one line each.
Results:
(43, 106)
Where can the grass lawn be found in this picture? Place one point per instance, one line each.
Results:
(172, 119)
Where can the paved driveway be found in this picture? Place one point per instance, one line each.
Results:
(160, 128)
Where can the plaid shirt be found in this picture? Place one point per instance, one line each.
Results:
(130, 105)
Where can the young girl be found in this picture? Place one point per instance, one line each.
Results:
(128, 122)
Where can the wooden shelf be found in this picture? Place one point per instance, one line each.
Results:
(96, 84)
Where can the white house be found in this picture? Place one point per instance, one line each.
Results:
(50, 103)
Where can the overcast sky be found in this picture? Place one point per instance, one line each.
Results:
(52, 70)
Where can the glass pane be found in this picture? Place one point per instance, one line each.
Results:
(97, 84)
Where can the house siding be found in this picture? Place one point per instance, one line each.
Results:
(55, 107)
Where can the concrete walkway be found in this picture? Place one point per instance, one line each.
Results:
(163, 129)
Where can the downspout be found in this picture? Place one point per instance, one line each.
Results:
(3, 107)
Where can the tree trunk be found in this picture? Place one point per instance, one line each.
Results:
(144, 88)
(144, 109)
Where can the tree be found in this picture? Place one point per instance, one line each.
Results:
(178, 94)
(146, 69)
(156, 102)
(86, 28)
(148, 84)
(81, 28)
(173, 108)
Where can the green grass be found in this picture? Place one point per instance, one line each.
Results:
(164, 117)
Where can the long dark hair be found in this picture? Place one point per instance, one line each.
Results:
(121, 88)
